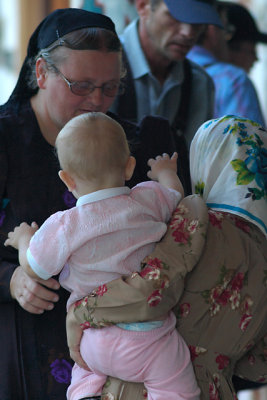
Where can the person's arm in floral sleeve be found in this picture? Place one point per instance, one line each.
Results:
(157, 288)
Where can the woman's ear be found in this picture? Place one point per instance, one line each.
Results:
(68, 180)
(129, 169)
(41, 72)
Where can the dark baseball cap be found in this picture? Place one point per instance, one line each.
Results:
(194, 11)
(242, 22)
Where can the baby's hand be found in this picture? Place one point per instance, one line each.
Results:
(20, 232)
(161, 164)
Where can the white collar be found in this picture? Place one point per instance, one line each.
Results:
(102, 194)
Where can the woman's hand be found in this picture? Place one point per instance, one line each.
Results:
(31, 294)
(74, 335)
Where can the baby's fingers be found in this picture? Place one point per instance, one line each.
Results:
(34, 225)
(9, 240)
(150, 162)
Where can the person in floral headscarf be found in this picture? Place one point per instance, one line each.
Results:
(210, 268)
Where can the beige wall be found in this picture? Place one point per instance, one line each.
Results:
(31, 14)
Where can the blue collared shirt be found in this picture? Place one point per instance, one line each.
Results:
(234, 91)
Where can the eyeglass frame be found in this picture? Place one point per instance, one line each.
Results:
(120, 89)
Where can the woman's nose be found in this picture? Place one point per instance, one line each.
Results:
(96, 97)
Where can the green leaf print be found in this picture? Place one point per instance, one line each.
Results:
(244, 176)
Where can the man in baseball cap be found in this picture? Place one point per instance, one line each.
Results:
(244, 35)
(194, 11)
(159, 80)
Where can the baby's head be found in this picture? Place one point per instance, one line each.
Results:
(93, 147)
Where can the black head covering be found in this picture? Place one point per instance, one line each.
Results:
(243, 23)
(52, 28)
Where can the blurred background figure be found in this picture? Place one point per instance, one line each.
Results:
(244, 35)
(235, 93)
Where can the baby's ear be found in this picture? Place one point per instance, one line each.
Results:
(68, 180)
(129, 169)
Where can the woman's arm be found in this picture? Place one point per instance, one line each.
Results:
(157, 288)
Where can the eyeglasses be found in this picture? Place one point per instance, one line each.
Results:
(84, 88)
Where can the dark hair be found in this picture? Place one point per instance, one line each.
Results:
(82, 39)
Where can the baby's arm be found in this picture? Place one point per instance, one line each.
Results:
(164, 170)
(20, 240)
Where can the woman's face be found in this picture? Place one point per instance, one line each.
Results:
(79, 65)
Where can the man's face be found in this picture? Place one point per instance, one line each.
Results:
(80, 65)
(169, 38)
(243, 54)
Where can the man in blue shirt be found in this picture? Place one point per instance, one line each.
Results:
(234, 91)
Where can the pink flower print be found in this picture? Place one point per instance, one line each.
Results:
(108, 396)
(220, 296)
(215, 219)
(155, 262)
(195, 351)
(244, 322)
(164, 282)
(155, 298)
(235, 300)
(214, 309)
(85, 325)
(178, 222)
(251, 359)
(192, 227)
(150, 273)
(101, 290)
(180, 210)
(246, 305)
(180, 233)
(237, 281)
(222, 361)
(213, 392)
(184, 310)
(81, 301)
(241, 224)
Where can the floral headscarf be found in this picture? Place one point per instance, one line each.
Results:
(228, 164)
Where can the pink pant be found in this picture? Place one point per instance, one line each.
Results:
(159, 358)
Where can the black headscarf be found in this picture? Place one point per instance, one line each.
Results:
(52, 28)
